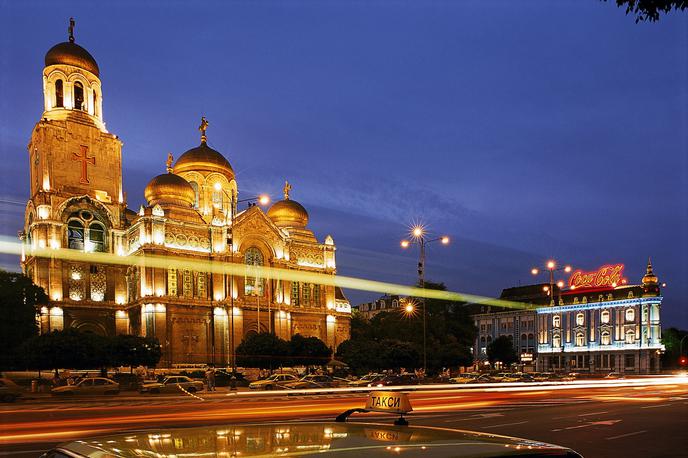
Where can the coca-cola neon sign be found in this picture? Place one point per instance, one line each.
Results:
(608, 276)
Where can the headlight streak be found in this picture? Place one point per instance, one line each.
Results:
(239, 269)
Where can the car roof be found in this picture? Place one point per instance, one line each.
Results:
(370, 439)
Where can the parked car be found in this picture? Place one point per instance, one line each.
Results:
(173, 384)
(397, 379)
(614, 376)
(517, 377)
(127, 382)
(471, 377)
(275, 381)
(9, 391)
(366, 380)
(88, 386)
(312, 381)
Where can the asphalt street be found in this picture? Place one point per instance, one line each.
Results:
(608, 421)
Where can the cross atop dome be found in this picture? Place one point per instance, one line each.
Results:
(203, 127)
(70, 29)
(286, 189)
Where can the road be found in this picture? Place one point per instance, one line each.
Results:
(596, 420)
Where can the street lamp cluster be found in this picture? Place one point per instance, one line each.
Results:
(551, 267)
(419, 237)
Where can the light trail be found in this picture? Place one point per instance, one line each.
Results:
(22, 426)
(8, 246)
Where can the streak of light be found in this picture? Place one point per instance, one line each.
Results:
(239, 269)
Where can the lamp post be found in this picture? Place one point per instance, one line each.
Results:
(419, 237)
(680, 347)
(551, 267)
(263, 199)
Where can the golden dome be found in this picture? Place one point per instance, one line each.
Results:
(70, 53)
(650, 278)
(203, 159)
(287, 212)
(170, 189)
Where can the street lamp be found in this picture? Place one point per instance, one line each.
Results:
(551, 267)
(262, 199)
(419, 237)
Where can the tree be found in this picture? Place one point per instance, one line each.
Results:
(650, 10)
(361, 355)
(308, 351)
(264, 350)
(128, 350)
(19, 299)
(396, 354)
(66, 349)
(502, 349)
(671, 338)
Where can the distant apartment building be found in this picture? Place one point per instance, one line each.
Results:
(386, 303)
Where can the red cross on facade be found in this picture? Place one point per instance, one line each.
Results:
(85, 160)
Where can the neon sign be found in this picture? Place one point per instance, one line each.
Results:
(608, 276)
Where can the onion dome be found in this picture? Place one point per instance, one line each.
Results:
(650, 278)
(287, 212)
(70, 53)
(203, 158)
(170, 189)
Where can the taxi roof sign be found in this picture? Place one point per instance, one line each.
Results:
(393, 402)
(388, 402)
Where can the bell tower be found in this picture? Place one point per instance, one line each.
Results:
(76, 199)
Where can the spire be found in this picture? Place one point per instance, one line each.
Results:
(286, 189)
(70, 29)
(648, 271)
(650, 278)
(203, 127)
(170, 160)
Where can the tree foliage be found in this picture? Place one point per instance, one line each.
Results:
(650, 10)
(78, 350)
(19, 299)
(264, 350)
(502, 349)
(671, 338)
(385, 341)
(308, 351)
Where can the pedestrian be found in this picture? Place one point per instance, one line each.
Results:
(210, 377)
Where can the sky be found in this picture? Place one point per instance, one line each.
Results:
(525, 131)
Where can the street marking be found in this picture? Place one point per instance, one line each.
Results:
(479, 416)
(593, 423)
(593, 413)
(653, 407)
(625, 435)
(506, 424)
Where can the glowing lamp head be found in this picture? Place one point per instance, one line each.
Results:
(614, 285)
(409, 308)
(264, 200)
(534, 271)
(545, 288)
(417, 231)
(567, 269)
(445, 240)
(551, 265)
(560, 284)
(218, 186)
(405, 243)
(663, 285)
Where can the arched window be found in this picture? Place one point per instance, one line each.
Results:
(253, 283)
(580, 319)
(606, 338)
(79, 96)
(295, 295)
(59, 93)
(580, 339)
(556, 341)
(75, 235)
(630, 314)
(95, 103)
(316, 295)
(194, 186)
(96, 237)
(217, 199)
(306, 294)
(604, 316)
(556, 321)
(630, 336)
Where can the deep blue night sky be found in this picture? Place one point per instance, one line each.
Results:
(524, 130)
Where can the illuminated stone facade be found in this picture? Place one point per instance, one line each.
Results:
(594, 330)
(192, 212)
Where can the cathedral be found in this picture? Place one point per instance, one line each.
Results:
(78, 210)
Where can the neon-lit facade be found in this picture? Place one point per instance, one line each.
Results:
(617, 329)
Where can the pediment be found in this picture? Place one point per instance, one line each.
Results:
(254, 221)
